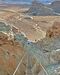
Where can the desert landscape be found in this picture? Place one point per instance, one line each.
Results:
(30, 39)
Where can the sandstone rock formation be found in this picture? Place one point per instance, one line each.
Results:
(54, 31)
(11, 53)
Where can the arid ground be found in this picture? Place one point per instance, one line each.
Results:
(34, 29)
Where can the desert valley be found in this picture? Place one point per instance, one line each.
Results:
(30, 39)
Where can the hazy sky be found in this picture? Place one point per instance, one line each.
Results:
(27, 1)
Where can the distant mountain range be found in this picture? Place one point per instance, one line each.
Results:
(55, 6)
(25, 1)
(37, 9)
